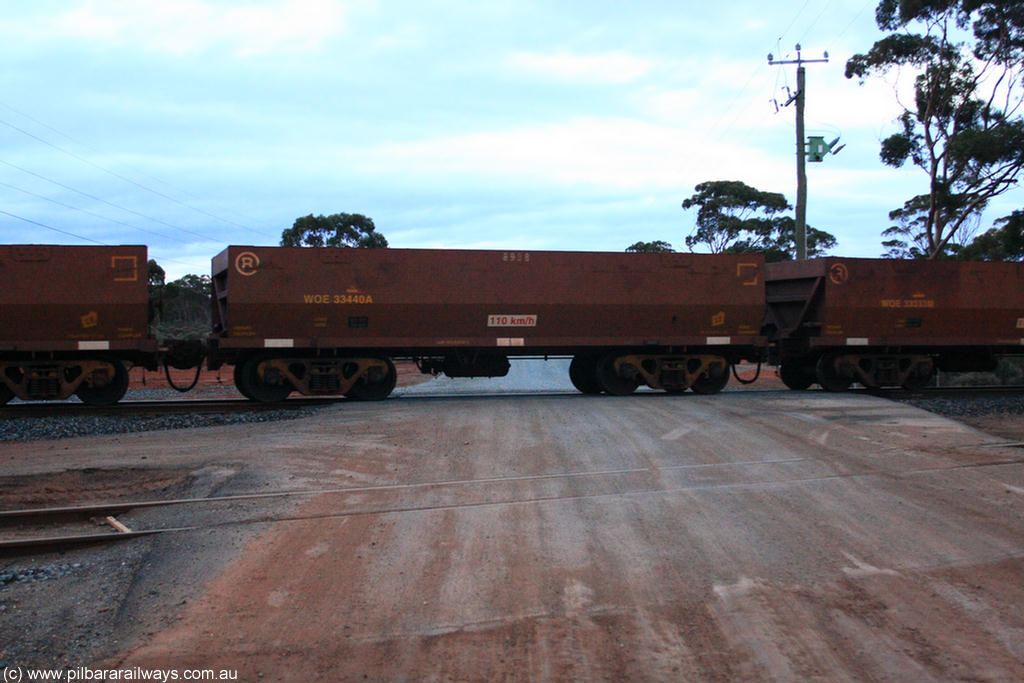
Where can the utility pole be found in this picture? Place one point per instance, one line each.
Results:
(801, 170)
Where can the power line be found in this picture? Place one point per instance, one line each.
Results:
(855, 18)
(142, 173)
(90, 213)
(816, 20)
(76, 235)
(104, 201)
(795, 18)
(126, 179)
(50, 227)
(728, 121)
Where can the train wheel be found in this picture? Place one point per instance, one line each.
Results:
(828, 375)
(920, 376)
(257, 388)
(711, 381)
(794, 376)
(611, 381)
(111, 392)
(583, 374)
(240, 384)
(377, 386)
(5, 394)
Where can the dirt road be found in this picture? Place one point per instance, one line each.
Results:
(749, 536)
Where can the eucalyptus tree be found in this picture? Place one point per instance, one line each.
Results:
(1004, 242)
(655, 247)
(336, 230)
(735, 218)
(962, 122)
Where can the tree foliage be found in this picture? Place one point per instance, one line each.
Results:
(963, 126)
(1005, 242)
(655, 247)
(336, 230)
(191, 286)
(181, 308)
(156, 275)
(735, 218)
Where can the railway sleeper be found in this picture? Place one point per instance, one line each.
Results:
(704, 373)
(95, 381)
(912, 371)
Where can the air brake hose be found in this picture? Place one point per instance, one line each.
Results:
(746, 381)
(195, 380)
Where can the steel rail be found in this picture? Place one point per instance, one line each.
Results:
(19, 546)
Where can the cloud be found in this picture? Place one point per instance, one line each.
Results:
(190, 26)
(613, 153)
(608, 67)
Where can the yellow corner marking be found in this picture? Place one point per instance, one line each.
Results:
(126, 268)
(751, 271)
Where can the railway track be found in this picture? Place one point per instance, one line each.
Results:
(38, 530)
(985, 390)
(57, 528)
(236, 405)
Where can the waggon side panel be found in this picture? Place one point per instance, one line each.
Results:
(886, 302)
(432, 299)
(75, 298)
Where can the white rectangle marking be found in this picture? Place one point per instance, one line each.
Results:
(856, 341)
(719, 340)
(93, 346)
(511, 341)
(278, 343)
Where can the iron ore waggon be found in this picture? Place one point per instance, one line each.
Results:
(330, 321)
(886, 322)
(71, 320)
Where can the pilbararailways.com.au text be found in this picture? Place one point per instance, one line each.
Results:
(135, 674)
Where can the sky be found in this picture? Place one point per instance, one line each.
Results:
(528, 124)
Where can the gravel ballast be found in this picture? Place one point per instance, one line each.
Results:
(979, 405)
(962, 406)
(70, 426)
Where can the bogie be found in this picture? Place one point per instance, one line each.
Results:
(269, 379)
(96, 381)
